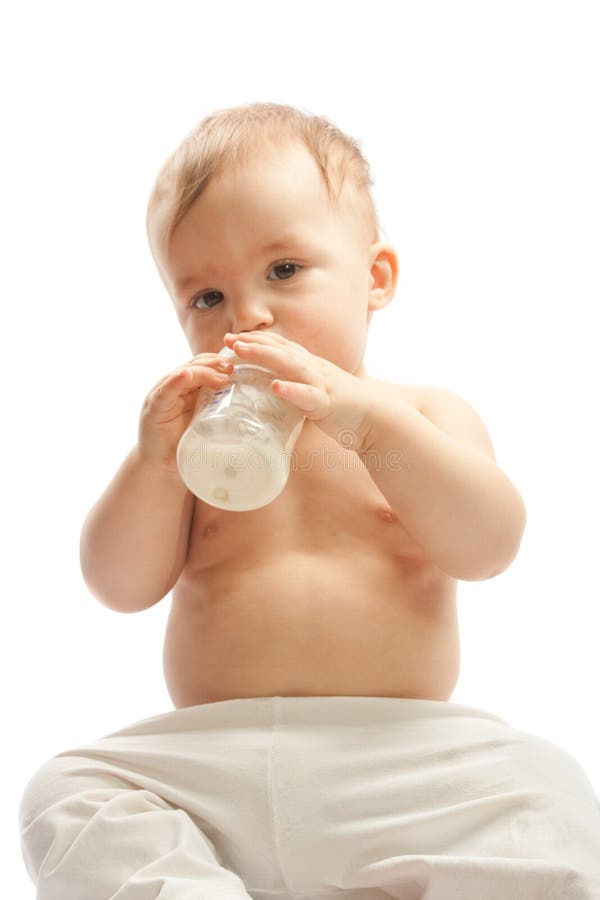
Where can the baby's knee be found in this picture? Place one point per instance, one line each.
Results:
(49, 784)
(58, 799)
(562, 771)
(46, 786)
(59, 778)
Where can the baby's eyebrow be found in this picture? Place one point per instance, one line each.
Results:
(286, 244)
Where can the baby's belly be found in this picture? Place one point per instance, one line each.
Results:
(304, 624)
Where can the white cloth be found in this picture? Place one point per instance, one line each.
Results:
(306, 797)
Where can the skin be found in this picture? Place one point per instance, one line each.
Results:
(322, 591)
(325, 306)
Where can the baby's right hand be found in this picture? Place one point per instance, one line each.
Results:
(168, 408)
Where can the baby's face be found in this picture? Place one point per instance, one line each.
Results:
(262, 249)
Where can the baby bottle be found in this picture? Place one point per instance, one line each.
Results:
(235, 452)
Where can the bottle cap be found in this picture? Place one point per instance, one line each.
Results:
(226, 351)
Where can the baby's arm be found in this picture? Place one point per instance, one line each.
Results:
(134, 539)
(436, 467)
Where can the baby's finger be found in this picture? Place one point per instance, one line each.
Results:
(182, 381)
(206, 359)
(198, 375)
(211, 365)
(190, 376)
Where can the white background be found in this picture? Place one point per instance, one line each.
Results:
(480, 121)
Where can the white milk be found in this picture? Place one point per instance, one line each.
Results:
(235, 454)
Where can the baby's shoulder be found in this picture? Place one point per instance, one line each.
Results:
(450, 412)
(418, 395)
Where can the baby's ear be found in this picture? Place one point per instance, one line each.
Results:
(383, 274)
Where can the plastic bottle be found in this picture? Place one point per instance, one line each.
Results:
(235, 454)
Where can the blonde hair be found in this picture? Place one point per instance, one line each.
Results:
(227, 137)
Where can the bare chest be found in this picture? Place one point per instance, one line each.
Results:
(285, 599)
(329, 506)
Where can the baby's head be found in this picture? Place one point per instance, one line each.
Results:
(262, 219)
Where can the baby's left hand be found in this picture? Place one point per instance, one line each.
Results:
(332, 398)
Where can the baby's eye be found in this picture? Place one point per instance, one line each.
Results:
(203, 297)
(286, 273)
(286, 266)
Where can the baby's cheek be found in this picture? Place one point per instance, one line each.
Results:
(351, 347)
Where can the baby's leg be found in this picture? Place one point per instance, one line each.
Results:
(428, 800)
(89, 833)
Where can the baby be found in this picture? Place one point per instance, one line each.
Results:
(312, 644)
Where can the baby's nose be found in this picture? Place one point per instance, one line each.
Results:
(252, 315)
